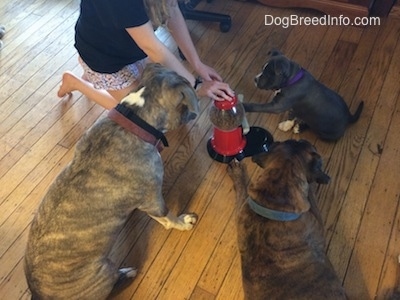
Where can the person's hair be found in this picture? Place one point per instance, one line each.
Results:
(158, 11)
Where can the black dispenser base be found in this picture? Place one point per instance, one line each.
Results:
(258, 140)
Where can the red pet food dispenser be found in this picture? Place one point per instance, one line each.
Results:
(232, 136)
(228, 141)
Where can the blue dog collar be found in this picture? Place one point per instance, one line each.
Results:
(271, 214)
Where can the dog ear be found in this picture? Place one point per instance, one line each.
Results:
(274, 52)
(317, 175)
(261, 158)
(281, 67)
(190, 100)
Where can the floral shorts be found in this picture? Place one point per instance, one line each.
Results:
(114, 81)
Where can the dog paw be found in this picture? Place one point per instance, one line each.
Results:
(286, 125)
(237, 172)
(125, 276)
(188, 220)
(127, 273)
(296, 129)
(276, 92)
(234, 168)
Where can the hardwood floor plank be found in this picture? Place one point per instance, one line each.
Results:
(360, 206)
(162, 260)
(25, 45)
(232, 286)
(32, 76)
(380, 210)
(221, 259)
(381, 204)
(197, 252)
(11, 210)
(19, 287)
(11, 180)
(200, 294)
(344, 235)
(338, 157)
(390, 276)
(17, 225)
(72, 137)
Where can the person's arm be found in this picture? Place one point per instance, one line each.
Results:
(179, 31)
(212, 86)
(157, 52)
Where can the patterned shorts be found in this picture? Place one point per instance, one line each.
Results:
(114, 81)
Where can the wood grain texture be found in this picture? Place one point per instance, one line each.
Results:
(360, 207)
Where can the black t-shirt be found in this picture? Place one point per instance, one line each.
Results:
(100, 35)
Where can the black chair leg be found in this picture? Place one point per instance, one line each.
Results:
(190, 13)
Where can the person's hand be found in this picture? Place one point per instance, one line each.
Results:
(212, 85)
(207, 73)
(216, 90)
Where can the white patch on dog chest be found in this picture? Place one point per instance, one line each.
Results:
(135, 98)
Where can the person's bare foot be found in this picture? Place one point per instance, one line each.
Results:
(67, 84)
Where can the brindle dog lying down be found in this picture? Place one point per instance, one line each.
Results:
(280, 233)
(113, 172)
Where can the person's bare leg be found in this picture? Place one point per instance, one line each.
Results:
(107, 99)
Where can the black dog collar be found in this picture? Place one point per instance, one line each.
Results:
(197, 83)
(271, 214)
(137, 126)
(295, 78)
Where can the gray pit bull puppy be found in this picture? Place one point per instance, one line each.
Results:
(310, 102)
(112, 173)
(280, 232)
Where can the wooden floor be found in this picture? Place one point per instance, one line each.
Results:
(360, 206)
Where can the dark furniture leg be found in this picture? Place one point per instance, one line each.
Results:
(189, 13)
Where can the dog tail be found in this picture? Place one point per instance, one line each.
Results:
(354, 118)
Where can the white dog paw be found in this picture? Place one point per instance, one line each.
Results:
(296, 129)
(188, 220)
(127, 272)
(286, 125)
(276, 92)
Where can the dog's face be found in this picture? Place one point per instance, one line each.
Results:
(289, 168)
(302, 151)
(276, 72)
(165, 99)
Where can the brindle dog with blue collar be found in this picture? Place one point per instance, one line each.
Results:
(116, 168)
(309, 102)
(280, 232)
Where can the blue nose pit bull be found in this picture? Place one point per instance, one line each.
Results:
(310, 103)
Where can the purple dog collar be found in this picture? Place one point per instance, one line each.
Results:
(296, 77)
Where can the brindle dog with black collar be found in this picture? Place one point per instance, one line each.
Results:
(113, 172)
(280, 232)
